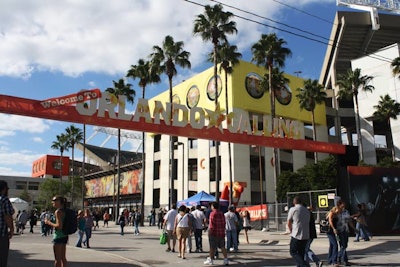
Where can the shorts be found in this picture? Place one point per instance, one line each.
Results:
(182, 232)
(61, 240)
(170, 234)
(216, 242)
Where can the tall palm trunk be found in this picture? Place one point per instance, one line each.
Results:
(143, 169)
(83, 166)
(61, 167)
(314, 134)
(171, 149)
(73, 175)
(229, 143)
(275, 150)
(358, 128)
(217, 164)
(118, 172)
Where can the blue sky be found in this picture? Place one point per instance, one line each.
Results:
(54, 48)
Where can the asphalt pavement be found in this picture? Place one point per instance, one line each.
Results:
(110, 249)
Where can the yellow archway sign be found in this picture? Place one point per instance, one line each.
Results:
(323, 201)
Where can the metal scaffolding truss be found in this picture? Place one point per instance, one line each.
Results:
(125, 135)
(387, 5)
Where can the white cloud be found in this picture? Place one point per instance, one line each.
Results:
(38, 139)
(12, 172)
(13, 123)
(104, 36)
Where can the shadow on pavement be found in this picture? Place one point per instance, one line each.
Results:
(25, 259)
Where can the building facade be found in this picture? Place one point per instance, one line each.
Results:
(252, 167)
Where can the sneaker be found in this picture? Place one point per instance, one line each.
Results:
(168, 250)
(226, 261)
(231, 249)
(319, 264)
(209, 261)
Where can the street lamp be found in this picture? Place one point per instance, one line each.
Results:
(183, 167)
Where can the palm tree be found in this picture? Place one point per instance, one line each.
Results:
(61, 144)
(270, 52)
(213, 25)
(396, 66)
(120, 89)
(309, 96)
(74, 136)
(228, 57)
(349, 86)
(165, 59)
(387, 109)
(146, 75)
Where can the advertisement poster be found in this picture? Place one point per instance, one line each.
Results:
(379, 189)
(104, 186)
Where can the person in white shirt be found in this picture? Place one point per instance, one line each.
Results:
(298, 225)
(169, 221)
(201, 220)
(182, 227)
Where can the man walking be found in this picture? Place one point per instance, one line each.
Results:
(6, 223)
(298, 225)
(169, 224)
(216, 234)
(200, 218)
(231, 229)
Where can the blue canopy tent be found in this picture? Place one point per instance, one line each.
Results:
(201, 198)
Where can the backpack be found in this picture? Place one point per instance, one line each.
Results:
(70, 224)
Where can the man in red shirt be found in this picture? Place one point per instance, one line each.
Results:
(216, 234)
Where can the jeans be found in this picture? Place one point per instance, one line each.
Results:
(231, 239)
(310, 255)
(343, 241)
(88, 235)
(198, 238)
(297, 251)
(136, 224)
(4, 249)
(122, 225)
(80, 237)
(333, 249)
(361, 232)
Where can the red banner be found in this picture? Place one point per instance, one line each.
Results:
(257, 212)
(71, 99)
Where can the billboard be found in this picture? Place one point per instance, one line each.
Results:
(379, 189)
(107, 185)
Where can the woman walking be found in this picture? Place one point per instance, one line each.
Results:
(81, 228)
(332, 218)
(246, 224)
(182, 229)
(88, 227)
(60, 239)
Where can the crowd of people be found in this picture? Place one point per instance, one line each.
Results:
(184, 223)
(301, 225)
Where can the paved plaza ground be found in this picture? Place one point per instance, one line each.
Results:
(110, 249)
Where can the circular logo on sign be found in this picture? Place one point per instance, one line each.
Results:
(284, 95)
(253, 85)
(176, 99)
(193, 96)
(211, 88)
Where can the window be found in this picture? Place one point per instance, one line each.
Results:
(33, 186)
(157, 140)
(192, 143)
(156, 174)
(212, 169)
(255, 168)
(20, 185)
(192, 169)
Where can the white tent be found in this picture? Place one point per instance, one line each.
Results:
(19, 204)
